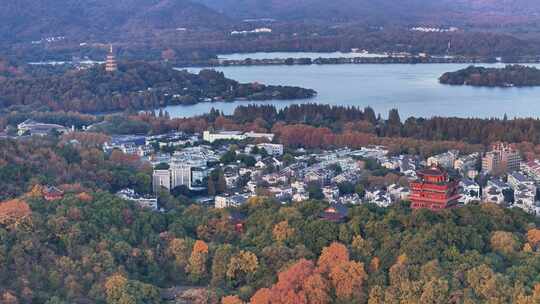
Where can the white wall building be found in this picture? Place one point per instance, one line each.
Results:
(228, 201)
(445, 160)
(234, 135)
(161, 179)
(272, 149)
(470, 191)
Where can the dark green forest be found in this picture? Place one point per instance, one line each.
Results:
(136, 86)
(509, 76)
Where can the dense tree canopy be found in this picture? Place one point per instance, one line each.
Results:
(136, 85)
(511, 75)
(106, 250)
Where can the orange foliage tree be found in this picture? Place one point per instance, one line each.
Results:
(533, 237)
(303, 282)
(231, 300)
(197, 261)
(347, 279)
(332, 256)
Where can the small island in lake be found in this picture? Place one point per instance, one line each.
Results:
(133, 85)
(509, 76)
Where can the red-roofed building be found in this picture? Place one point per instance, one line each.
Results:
(51, 193)
(433, 190)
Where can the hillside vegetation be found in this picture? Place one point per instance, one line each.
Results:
(136, 85)
(95, 248)
(509, 76)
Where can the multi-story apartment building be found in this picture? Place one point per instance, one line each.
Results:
(502, 158)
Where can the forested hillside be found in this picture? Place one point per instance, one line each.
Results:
(509, 76)
(26, 20)
(136, 85)
(479, 12)
(95, 248)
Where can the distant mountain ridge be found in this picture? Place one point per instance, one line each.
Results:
(24, 20)
(384, 11)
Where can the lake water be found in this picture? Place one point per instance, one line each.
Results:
(413, 89)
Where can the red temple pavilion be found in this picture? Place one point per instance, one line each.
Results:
(433, 190)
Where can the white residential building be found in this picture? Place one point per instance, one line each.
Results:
(467, 162)
(444, 160)
(398, 193)
(532, 169)
(330, 193)
(228, 201)
(161, 179)
(470, 191)
(493, 192)
(234, 135)
(272, 149)
(223, 135)
(142, 201)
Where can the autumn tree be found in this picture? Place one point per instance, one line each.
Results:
(262, 296)
(9, 298)
(283, 232)
(435, 291)
(347, 279)
(376, 295)
(220, 264)
(196, 266)
(317, 289)
(504, 242)
(178, 249)
(361, 248)
(241, 265)
(231, 300)
(115, 289)
(488, 285)
(120, 290)
(533, 237)
(331, 256)
(289, 287)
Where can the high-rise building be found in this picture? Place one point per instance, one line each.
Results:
(110, 64)
(434, 190)
(161, 179)
(502, 158)
(180, 175)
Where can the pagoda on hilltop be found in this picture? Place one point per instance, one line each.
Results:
(434, 190)
(110, 64)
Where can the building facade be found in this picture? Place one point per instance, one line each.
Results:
(161, 179)
(110, 64)
(502, 158)
(433, 190)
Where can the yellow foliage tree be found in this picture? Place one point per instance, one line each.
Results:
(36, 191)
(197, 261)
(399, 272)
(376, 295)
(361, 247)
(347, 279)
(178, 249)
(504, 242)
(243, 263)
(533, 237)
(283, 232)
(114, 288)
